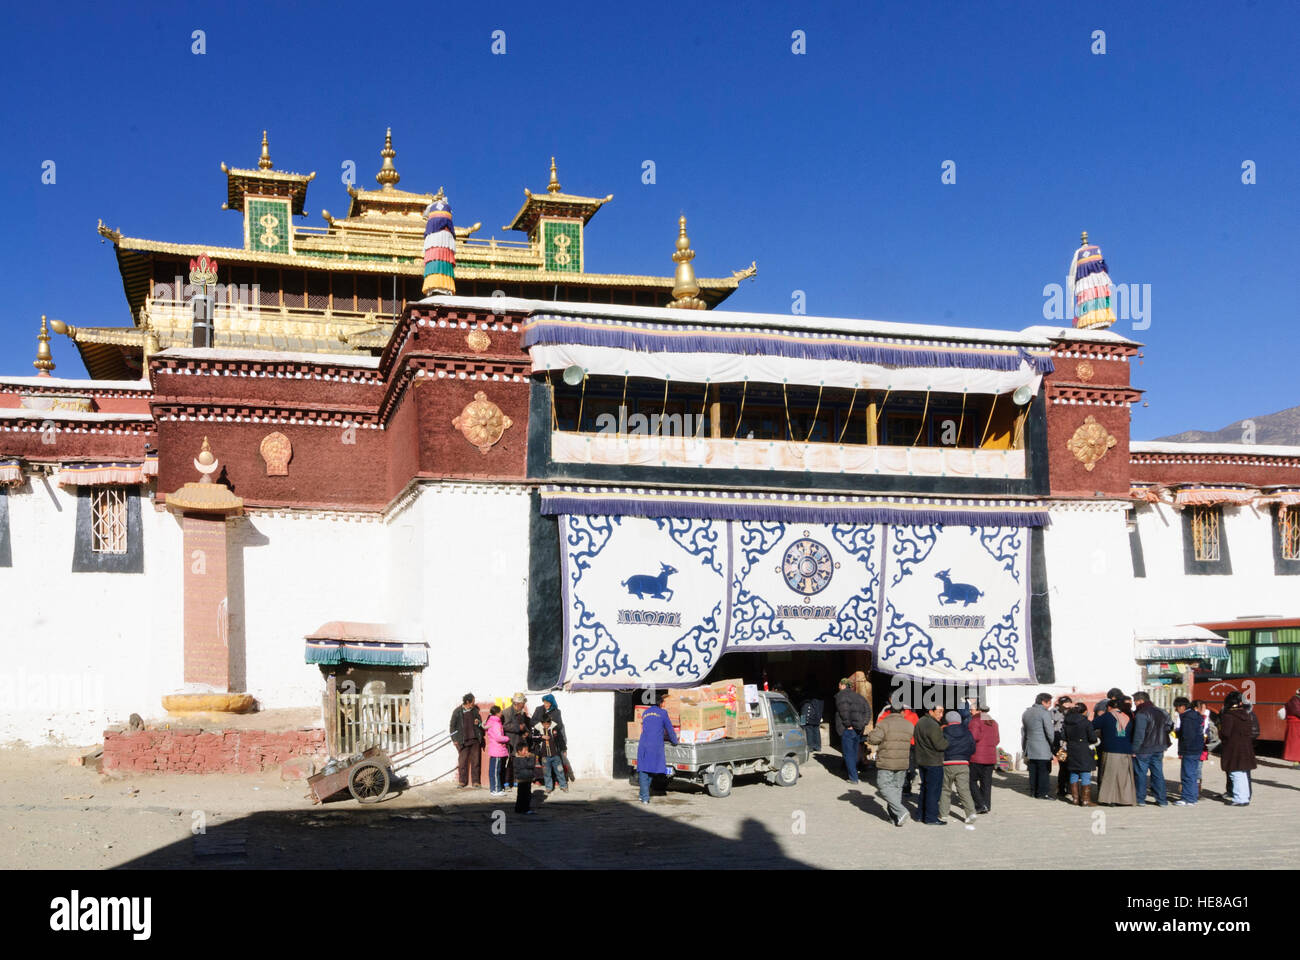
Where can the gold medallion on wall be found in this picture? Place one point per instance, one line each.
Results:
(482, 422)
(276, 450)
(478, 340)
(1086, 371)
(1090, 442)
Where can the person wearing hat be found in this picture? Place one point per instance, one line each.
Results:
(956, 762)
(551, 751)
(930, 745)
(851, 715)
(656, 728)
(515, 723)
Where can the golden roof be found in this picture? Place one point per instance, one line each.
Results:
(555, 204)
(265, 181)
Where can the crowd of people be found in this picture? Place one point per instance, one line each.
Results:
(1111, 753)
(520, 747)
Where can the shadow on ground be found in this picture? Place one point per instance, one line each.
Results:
(567, 833)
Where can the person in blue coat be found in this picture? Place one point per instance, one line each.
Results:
(655, 729)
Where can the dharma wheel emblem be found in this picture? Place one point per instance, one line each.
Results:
(1090, 443)
(807, 566)
(482, 422)
(478, 340)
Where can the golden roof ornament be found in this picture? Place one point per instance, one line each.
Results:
(205, 463)
(554, 185)
(44, 361)
(264, 161)
(685, 286)
(206, 496)
(388, 175)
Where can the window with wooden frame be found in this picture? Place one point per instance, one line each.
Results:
(1207, 522)
(1288, 528)
(108, 520)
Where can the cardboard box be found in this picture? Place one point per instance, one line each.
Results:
(633, 730)
(704, 717)
(701, 736)
(738, 728)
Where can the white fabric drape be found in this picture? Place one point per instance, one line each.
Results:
(638, 450)
(736, 368)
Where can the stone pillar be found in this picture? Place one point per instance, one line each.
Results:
(207, 649)
(203, 507)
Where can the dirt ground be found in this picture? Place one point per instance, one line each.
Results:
(53, 815)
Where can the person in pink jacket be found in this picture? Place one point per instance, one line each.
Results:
(984, 731)
(498, 750)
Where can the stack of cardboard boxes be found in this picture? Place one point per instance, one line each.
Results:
(707, 713)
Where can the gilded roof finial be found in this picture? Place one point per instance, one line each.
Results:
(264, 161)
(554, 185)
(685, 286)
(388, 175)
(1083, 239)
(44, 362)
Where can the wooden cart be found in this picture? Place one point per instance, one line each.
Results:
(367, 775)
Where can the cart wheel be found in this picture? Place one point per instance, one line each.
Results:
(788, 773)
(719, 784)
(368, 782)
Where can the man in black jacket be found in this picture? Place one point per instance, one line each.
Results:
(466, 731)
(1191, 744)
(851, 715)
(1150, 738)
(930, 747)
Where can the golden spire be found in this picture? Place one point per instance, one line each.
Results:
(685, 286)
(44, 362)
(264, 161)
(554, 185)
(1083, 239)
(388, 175)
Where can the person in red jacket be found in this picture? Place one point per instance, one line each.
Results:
(984, 731)
(1291, 747)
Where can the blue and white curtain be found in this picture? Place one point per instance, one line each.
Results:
(657, 600)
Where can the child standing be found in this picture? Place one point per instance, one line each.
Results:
(525, 766)
(498, 752)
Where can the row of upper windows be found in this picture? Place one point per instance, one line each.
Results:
(1205, 541)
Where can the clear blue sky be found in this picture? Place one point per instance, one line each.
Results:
(824, 167)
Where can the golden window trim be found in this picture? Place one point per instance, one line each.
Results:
(108, 520)
(1207, 523)
(1288, 522)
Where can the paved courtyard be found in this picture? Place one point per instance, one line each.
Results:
(53, 815)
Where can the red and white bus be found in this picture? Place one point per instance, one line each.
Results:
(1263, 664)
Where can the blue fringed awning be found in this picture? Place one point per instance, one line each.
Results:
(548, 329)
(1185, 642)
(369, 644)
(790, 508)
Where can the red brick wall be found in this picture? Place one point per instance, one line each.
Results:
(1267, 471)
(1070, 477)
(192, 751)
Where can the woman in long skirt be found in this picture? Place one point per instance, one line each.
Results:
(1117, 757)
(1291, 747)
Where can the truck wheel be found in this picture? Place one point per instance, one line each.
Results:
(719, 784)
(788, 773)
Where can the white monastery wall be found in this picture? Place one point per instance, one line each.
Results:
(81, 651)
(300, 571)
(1090, 595)
(1170, 596)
